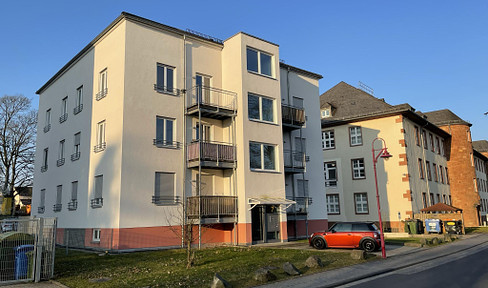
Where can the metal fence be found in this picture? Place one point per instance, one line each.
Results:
(27, 248)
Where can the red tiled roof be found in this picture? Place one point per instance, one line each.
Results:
(441, 207)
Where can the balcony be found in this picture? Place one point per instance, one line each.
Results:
(102, 94)
(211, 102)
(96, 203)
(72, 205)
(292, 117)
(294, 161)
(63, 118)
(166, 90)
(160, 143)
(60, 162)
(57, 207)
(40, 209)
(47, 128)
(165, 200)
(212, 207)
(100, 147)
(301, 206)
(44, 168)
(75, 156)
(211, 154)
(78, 109)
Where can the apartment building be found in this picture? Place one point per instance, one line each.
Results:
(461, 162)
(416, 176)
(480, 151)
(158, 127)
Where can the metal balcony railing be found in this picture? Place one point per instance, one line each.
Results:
(211, 151)
(165, 200)
(160, 143)
(75, 156)
(44, 168)
(212, 99)
(211, 206)
(100, 147)
(63, 118)
(40, 209)
(78, 109)
(166, 90)
(293, 159)
(292, 116)
(47, 128)
(72, 205)
(60, 162)
(102, 94)
(330, 182)
(301, 206)
(57, 207)
(96, 203)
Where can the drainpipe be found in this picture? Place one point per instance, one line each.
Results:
(184, 211)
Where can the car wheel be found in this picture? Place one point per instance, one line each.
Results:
(368, 245)
(318, 243)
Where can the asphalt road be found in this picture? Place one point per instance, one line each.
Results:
(465, 269)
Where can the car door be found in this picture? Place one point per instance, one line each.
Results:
(340, 236)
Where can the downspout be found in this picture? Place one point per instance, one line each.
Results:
(183, 222)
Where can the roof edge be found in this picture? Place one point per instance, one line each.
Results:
(301, 71)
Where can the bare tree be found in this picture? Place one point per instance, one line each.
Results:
(17, 143)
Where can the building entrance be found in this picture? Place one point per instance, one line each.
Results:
(265, 223)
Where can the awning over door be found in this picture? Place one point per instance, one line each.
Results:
(270, 201)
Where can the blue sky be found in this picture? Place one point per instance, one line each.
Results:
(430, 54)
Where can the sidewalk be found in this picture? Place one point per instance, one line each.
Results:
(349, 274)
(43, 284)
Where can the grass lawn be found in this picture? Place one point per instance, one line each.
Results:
(167, 268)
(476, 230)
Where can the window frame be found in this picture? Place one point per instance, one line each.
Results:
(262, 157)
(432, 145)
(424, 200)
(96, 235)
(329, 204)
(165, 88)
(437, 145)
(260, 108)
(356, 203)
(259, 64)
(359, 169)
(330, 140)
(425, 142)
(164, 130)
(157, 192)
(436, 172)
(327, 174)
(78, 100)
(417, 136)
(428, 170)
(421, 169)
(358, 137)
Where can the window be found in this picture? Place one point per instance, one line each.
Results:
(438, 198)
(42, 201)
(355, 136)
(45, 156)
(96, 235)
(165, 80)
(165, 130)
(437, 145)
(424, 136)
(450, 202)
(47, 124)
(424, 200)
(302, 188)
(260, 108)
(431, 138)
(59, 195)
(76, 148)
(441, 174)
(203, 91)
(262, 156)
(436, 173)
(102, 85)
(101, 144)
(443, 152)
(358, 171)
(203, 132)
(298, 102)
(79, 101)
(333, 206)
(421, 169)
(330, 173)
(429, 174)
(432, 199)
(61, 160)
(259, 62)
(325, 113)
(64, 110)
(417, 136)
(328, 141)
(97, 202)
(444, 197)
(164, 189)
(361, 203)
(73, 204)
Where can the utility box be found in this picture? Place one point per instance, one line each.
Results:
(433, 226)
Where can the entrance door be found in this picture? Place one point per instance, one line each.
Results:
(265, 223)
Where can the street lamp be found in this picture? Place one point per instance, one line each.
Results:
(379, 153)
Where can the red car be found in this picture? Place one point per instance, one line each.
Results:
(363, 235)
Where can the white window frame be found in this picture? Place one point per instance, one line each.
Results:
(361, 203)
(101, 126)
(78, 100)
(357, 167)
(171, 200)
(103, 81)
(262, 168)
(45, 157)
(259, 52)
(76, 146)
(96, 235)
(328, 139)
(64, 106)
(61, 149)
(164, 140)
(333, 207)
(355, 136)
(260, 103)
(330, 182)
(165, 89)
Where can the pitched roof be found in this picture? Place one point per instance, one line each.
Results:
(444, 117)
(441, 207)
(480, 145)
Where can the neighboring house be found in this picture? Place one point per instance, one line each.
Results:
(416, 176)
(461, 163)
(481, 146)
(148, 121)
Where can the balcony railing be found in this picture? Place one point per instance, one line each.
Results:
(102, 94)
(78, 109)
(330, 182)
(301, 206)
(212, 102)
(211, 206)
(166, 90)
(72, 205)
(63, 118)
(96, 203)
(165, 200)
(99, 147)
(47, 128)
(57, 207)
(60, 162)
(75, 156)
(44, 168)
(40, 209)
(212, 153)
(160, 143)
(292, 116)
(294, 161)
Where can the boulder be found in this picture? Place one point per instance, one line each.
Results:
(447, 238)
(219, 282)
(290, 269)
(423, 241)
(264, 275)
(434, 241)
(358, 254)
(313, 262)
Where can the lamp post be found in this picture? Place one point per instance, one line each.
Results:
(379, 153)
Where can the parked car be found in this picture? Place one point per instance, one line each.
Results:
(363, 235)
(8, 226)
